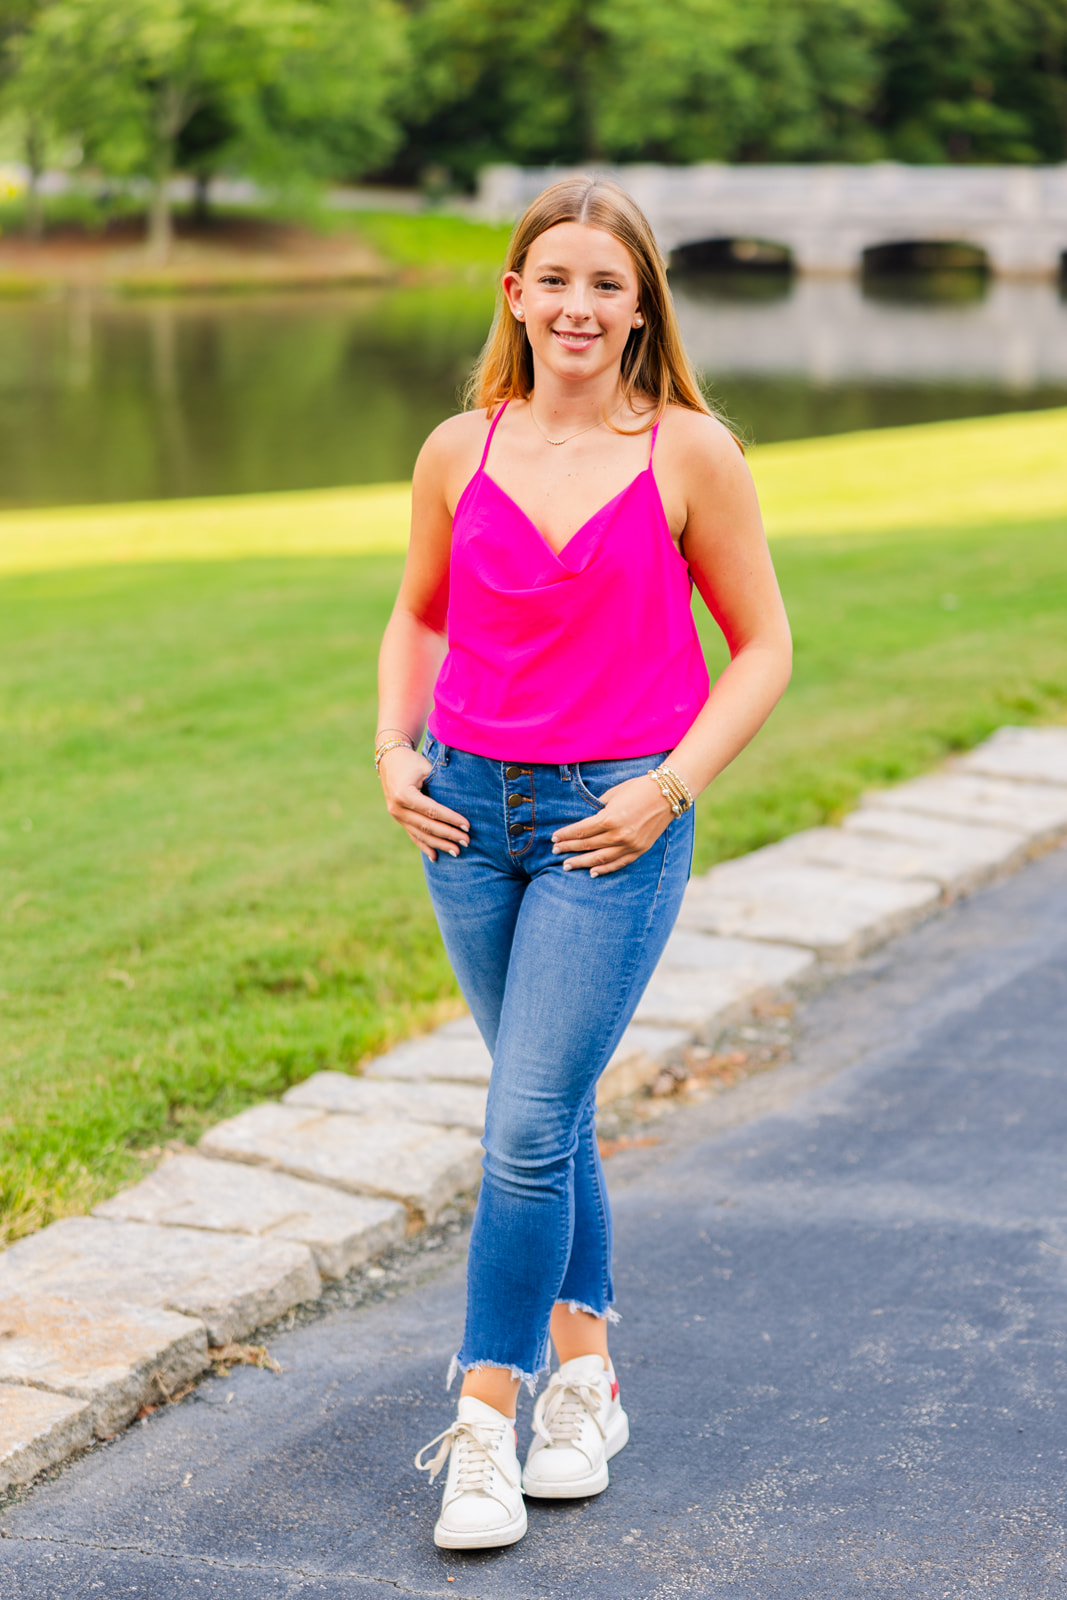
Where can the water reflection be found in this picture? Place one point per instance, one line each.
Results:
(1013, 336)
(823, 356)
(109, 400)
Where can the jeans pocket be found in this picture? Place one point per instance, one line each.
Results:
(604, 775)
(585, 792)
(435, 753)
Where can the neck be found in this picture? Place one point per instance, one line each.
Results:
(566, 405)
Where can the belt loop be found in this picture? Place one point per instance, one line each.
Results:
(565, 772)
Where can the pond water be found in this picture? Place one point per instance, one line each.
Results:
(104, 400)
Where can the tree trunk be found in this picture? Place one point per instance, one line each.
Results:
(169, 116)
(34, 151)
(160, 227)
(201, 198)
(586, 51)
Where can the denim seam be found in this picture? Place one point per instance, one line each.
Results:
(602, 1222)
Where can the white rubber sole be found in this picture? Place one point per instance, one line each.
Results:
(491, 1539)
(593, 1482)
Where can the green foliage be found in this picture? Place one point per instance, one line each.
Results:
(763, 80)
(286, 89)
(686, 80)
(297, 91)
(977, 80)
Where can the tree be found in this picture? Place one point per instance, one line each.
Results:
(684, 80)
(264, 78)
(26, 100)
(977, 80)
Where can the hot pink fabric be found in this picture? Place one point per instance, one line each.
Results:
(585, 655)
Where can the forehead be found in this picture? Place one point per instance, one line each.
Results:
(580, 246)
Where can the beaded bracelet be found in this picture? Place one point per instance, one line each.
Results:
(402, 743)
(673, 789)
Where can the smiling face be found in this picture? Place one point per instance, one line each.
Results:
(578, 298)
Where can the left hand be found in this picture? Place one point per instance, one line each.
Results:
(635, 814)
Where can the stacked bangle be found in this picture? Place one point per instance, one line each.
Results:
(399, 741)
(672, 788)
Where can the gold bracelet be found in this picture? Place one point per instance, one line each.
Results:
(403, 743)
(679, 785)
(673, 789)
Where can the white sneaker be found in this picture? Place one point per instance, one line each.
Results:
(482, 1505)
(578, 1426)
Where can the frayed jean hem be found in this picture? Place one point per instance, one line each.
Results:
(528, 1378)
(610, 1315)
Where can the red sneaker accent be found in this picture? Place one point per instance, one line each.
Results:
(614, 1388)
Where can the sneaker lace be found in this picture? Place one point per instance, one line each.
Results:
(476, 1445)
(564, 1406)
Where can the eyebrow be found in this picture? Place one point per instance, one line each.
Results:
(601, 272)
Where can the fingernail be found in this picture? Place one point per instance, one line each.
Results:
(555, 849)
(594, 873)
(453, 852)
(555, 836)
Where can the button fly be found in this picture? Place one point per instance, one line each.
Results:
(514, 772)
(518, 799)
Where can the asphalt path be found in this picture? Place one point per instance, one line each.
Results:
(844, 1345)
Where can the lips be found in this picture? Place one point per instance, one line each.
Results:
(575, 341)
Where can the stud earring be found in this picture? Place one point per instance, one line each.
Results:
(639, 321)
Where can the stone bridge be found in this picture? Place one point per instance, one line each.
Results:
(829, 216)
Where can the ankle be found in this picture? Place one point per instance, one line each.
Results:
(493, 1386)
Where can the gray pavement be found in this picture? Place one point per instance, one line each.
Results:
(844, 1345)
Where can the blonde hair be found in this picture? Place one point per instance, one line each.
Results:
(654, 362)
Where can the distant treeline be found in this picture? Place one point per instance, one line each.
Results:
(733, 80)
(430, 90)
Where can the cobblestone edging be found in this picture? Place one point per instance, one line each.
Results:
(102, 1315)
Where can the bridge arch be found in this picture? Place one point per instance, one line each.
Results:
(926, 255)
(722, 254)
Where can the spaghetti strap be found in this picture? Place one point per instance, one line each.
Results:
(652, 446)
(489, 436)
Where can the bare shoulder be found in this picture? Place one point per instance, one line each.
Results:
(702, 441)
(451, 454)
(463, 432)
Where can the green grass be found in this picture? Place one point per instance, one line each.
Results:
(434, 243)
(201, 898)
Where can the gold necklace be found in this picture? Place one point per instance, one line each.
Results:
(570, 436)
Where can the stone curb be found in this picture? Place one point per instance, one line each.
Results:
(102, 1315)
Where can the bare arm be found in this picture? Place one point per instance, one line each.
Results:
(727, 553)
(413, 648)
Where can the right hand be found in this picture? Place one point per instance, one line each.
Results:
(432, 827)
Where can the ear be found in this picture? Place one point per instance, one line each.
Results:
(513, 295)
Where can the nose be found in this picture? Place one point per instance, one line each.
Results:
(577, 306)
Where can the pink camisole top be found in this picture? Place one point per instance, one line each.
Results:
(588, 654)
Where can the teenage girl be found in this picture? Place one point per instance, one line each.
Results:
(545, 613)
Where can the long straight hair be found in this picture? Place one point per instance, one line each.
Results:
(654, 363)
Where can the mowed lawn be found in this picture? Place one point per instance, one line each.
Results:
(201, 897)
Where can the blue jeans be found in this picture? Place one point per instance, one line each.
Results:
(552, 965)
